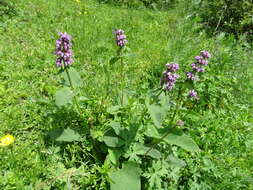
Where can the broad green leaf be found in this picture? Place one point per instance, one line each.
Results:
(114, 155)
(159, 111)
(175, 162)
(154, 153)
(157, 114)
(74, 77)
(63, 96)
(164, 101)
(113, 141)
(127, 178)
(152, 132)
(65, 135)
(140, 149)
(116, 127)
(177, 137)
(83, 99)
(114, 109)
(114, 60)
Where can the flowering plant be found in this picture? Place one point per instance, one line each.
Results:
(71, 78)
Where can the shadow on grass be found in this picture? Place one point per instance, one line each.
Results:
(7, 10)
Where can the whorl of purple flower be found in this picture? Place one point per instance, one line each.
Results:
(190, 76)
(192, 94)
(120, 37)
(172, 67)
(197, 67)
(205, 54)
(63, 50)
(201, 60)
(169, 77)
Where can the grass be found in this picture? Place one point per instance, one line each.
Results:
(221, 125)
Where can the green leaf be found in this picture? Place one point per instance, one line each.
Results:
(114, 60)
(154, 153)
(65, 135)
(159, 111)
(83, 99)
(63, 96)
(74, 76)
(116, 127)
(125, 99)
(113, 141)
(114, 155)
(114, 109)
(177, 137)
(164, 101)
(140, 149)
(157, 115)
(175, 162)
(127, 178)
(152, 132)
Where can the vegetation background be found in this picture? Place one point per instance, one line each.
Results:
(158, 32)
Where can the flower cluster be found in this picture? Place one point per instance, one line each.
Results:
(120, 37)
(198, 65)
(63, 50)
(169, 77)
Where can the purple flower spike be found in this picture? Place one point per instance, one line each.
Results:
(198, 65)
(169, 77)
(192, 94)
(63, 50)
(120, 37)
(205, 54)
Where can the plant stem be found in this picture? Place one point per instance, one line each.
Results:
(121, 76)
(72, 88)
(121, 80)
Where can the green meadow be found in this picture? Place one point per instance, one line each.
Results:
(106, 145)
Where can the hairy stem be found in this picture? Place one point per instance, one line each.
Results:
(121, 75)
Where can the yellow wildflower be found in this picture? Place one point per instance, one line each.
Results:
(78, 1)
(6, 140)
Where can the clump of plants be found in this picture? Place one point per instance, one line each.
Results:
(136, 142)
